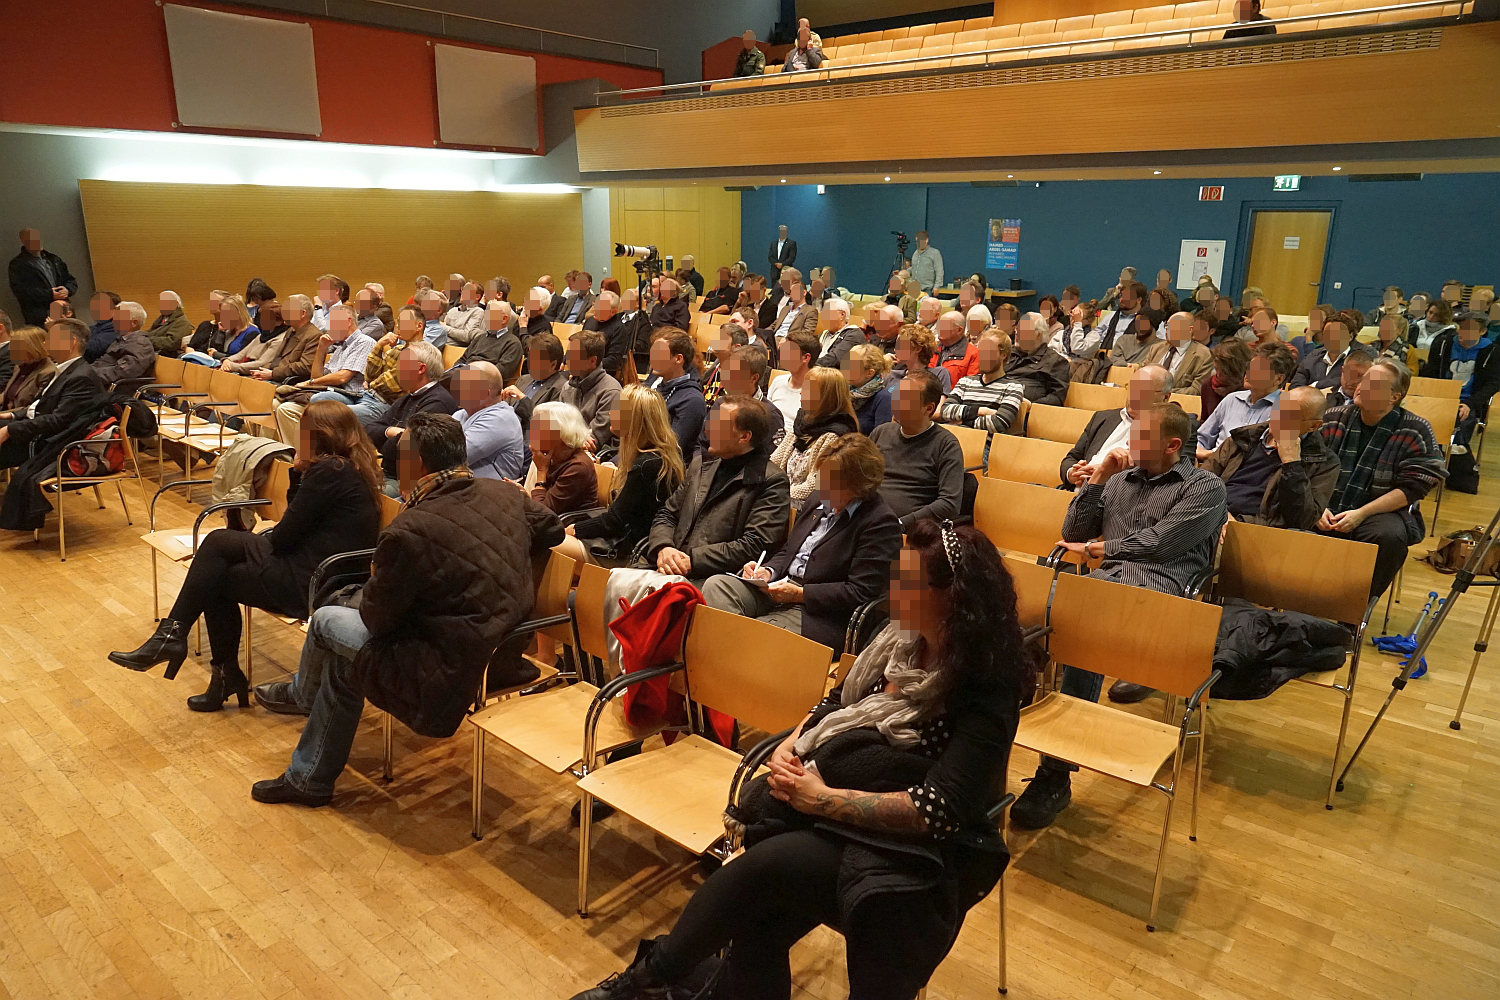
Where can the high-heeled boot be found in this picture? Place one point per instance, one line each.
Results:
(226, 679)
(168, 644)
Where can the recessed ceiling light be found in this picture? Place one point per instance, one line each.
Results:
(1010, 175)
(1338, 168)
(1156, 171)
(783, 180)
(887, 178)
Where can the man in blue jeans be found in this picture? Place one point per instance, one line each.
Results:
(1153, 518)
(451, 576)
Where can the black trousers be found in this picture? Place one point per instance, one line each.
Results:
(221, 578)
(14, 453)
(769, 898)
(1388, 533)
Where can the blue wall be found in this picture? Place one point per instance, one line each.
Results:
(1414, 234)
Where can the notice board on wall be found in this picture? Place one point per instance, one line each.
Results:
(1200, 257)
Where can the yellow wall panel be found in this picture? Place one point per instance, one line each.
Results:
(701, 220)
(644, 199)
(193, 238)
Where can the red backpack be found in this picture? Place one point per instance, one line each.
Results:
(103, 455)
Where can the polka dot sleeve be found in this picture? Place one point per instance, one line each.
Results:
(934, 808)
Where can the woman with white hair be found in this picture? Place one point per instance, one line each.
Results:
(978, 320)
(534, 317)
(565, 476)
(171, 329)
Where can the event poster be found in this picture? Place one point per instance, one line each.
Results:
(1004, 244)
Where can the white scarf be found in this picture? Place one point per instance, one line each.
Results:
(897, 658)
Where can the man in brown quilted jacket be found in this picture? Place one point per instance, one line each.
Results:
(451, 576)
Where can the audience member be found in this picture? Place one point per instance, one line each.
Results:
(546, 380)
(466, 320)
(826, 414)
(865, 372)
(590, 389)
(976, 321)
(450, 577)
(1322, 366)
(1262, 327)
(492, 431)
(732, 504)
(812, 36)
(751, 61)
(607, 322)
(672, 352)
(916, 346)
(74, 391)
(6, 366)
(170, 331)
(381, 385)
(61, 309)
(38, 278)
(1119, 322)
(797, 352)
(1305, 343)
(258, 292)
(1390, 337)
(260, 350)
(1142, 346)
(840, 335)
(837, 558)
(234, 330)
(648, 470)
(1436, 321)
(924, 463)
(1108, 430)
(577, 307)
(332, 291)
(366, 302)
(804, 55)
(1230, 359)
(30, 369)
(1468, 356)
(988, 400)
(795, 313)
(559, 300)
(669, 310)
(1185, 357)
(1114, 295)
(1051, 312)
(722, 341)
(533, 321)
(1388, 461)
(206, 335)
(332, 507)
(131, 354)
(1272, 364)
(432, 306)
(1154, 520)
(1079, 341)
(721, 298)
(956, 352)
(565, 477)
(1356, 363)
(1279, 473)
(1040, 370)
(293, 360)
(496, 343)
(419, 365)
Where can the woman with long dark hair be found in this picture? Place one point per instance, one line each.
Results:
(937, 695)
(332, 506)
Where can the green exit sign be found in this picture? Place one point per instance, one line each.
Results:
(1288, 182)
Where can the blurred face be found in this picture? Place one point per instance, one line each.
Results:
(629, 300)
(1128, 298)
(1222, 309)
(1157, 302)
(294, 313)
(1335, 338)
(1200, 329)
(915, 605)
(1125, 276)
(1434, 314)
(663, 361)
(1287, 416)
(797, 292)
(542, 365)
(1259, 377)
(1376, 395)
(928, 312)
(949, 329)
(545, 438)
(965, 299)
(1419, 305)
(472, 389)
(1469, 333)
(409, 469)
(1244, 9)
(907, 405)
(229, 319)
(1141, 393)
(533, 304)
(1392, 298)
(897, 285)
(409, 325)
(1314, 320)
(411, 372)
(724, 281)
(855, 372)
(748, 39)
(1204, 295)
(810, 396)
(604, 310)
(364, 300)
(213, 305)
(579, 362)
(1264, 326)
(101, 307)
(724, 441)
(1144, 328)
(340, 325)
(1452, 293)
(835, 319)
(791, 356)
(1149, 447)
(166, 304)
(327, 293)
(1046, 310)
(496, 317)
(740, 378)
(59, 343)
(469, 295)
(1163, 278)
(1351, 375)
(431, 307)
(834, 488)
(1179, 330)
(991, 360)
(1028, 336)
(31, 239)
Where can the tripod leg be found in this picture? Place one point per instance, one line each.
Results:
(1481, 644)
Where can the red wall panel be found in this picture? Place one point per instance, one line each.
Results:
(375, 86)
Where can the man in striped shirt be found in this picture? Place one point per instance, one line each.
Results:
(1153, 518)
(987, 400)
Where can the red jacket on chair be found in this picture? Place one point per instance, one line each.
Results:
(651, 633)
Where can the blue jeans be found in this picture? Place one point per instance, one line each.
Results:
(1083, 684)
(367, 406)
(334, 637)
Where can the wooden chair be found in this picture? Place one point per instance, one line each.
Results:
(973, 441)
(1438, 388)
(679, 791)
(1096, 625)
(1019, 517)
(1026, 460)
(1033, 583)
(1064, 424)
(1442, 413)
(1192, 404)
(57, 484)
(202, 388)
(451, 354)
(389, 508)
(1084, 396)
(562, 331)
(1310, 573)
(255, 404)
(605, 473)
(1120, 374)
(551, 606)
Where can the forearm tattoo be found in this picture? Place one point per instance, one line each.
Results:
(873, 810)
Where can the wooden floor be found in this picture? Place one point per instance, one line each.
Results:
(133, 862)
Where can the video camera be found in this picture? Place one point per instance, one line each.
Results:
(901, 241)
(647, 258)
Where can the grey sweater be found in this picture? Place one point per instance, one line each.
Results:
(924, 474)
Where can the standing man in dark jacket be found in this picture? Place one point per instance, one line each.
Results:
(1280, 473)
(131, 355)
(670, 310)
(451, 576)
(733, 504)
(672, 352)
(420, 363)
(782, 253)
(38, 278)
(75, 390)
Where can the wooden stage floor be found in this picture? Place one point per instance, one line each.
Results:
(133, 862)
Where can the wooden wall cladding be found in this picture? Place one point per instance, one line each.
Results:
(1438, 83)
(193, 238)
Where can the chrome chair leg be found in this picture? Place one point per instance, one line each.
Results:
(1166, 831)
(388, 738)
(249, 648)
(477, 794)
(585, 832)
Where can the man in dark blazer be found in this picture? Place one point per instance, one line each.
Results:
(838, 557)
(420, 364)
(669, 310)
(783, 252)
(75, 390)
(733, 504)
(1323, 368)
(1108, 429)
(39, 277)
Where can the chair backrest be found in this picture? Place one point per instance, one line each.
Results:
(256, 396)
(972, 440)
(451, 354)
(762, 675)
(1057, 423)
(1026, 460)
(552, 595)
(277, 482)
(1442, 388)
(1097, 397)
(1120, 374)
(1296, 571)
(1033, 583)
(1439, 411)
(562, 331)
(1097, 626)
(1020, 517)
(389, 508)
(605, 473)
(224, 387)
(1192, 404)
(168, 370)
(195, 378)
(588, 611)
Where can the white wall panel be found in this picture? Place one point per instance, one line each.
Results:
(251, 73)
(486, 98)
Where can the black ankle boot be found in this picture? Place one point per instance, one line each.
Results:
(635, 983)
(168, 644)
(227, 679)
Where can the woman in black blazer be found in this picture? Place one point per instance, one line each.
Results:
(837, 558)
(332, 506)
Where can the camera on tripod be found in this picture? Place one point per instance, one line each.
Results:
(647, 258)
(901, 241)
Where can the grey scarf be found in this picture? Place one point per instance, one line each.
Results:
(895, 658)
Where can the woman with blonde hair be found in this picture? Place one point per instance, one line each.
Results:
(1390, 341)
(332, 506)
(33, 371)
(827, 412)
(260, 351)
(648, 471)
(866, 369)
(234, 331)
